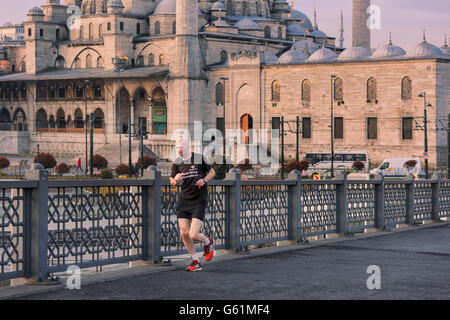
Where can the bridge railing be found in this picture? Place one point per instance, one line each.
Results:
(48, 225)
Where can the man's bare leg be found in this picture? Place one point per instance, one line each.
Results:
(194, 231)
(185, 235)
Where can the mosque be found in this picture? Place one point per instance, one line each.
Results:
(234, 64)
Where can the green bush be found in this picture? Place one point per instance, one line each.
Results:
(4, 163)
(47, 160)
(106, 174)
(62, 168)
(122, 169)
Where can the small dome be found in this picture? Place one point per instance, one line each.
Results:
(167, 7)
(388, 50)
(308, 47)
(115, 3)
(247, 24)
(268, 57)
(293, 56)
(323, 55)
(295, 30)
(218, 5)
(353, 53)
(36, 11)
(445, 50)
(318, 34)
(297, 15)
(424, 49)
(220, 23)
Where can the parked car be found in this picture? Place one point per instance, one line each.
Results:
(398, 167)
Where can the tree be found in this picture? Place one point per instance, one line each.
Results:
(62, 168)
(122, 169)
(4, 163)
(146, 162)
(47, 160)
(99, 162)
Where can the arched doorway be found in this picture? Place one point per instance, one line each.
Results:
(78, 121)
(41, 121)
(123, 111)
(159, 112)
(141, 109)
(61, 120)
(246, 125)
(99, 119)
(5, 120)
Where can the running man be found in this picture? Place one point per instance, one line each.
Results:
(193, 200)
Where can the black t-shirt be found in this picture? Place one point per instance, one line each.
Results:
(191, 173)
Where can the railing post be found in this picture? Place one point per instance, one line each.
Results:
(380, 222)
(38, 237)
(410, 200)
(341, 204)
(435, 190)
(294, 210)
(233, 241)
(152, 216)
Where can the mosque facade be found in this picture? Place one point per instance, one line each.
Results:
(233, 64)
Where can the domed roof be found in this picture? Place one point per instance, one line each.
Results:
(353, 53)
(115, 3)
(323, 55)
(445, 49)
(268, 57)
(36, 11)
(167, 7)
(218, 5)
(292, 56)
(388, 50)
(318, 34)
(247, 24)
(308, 47)
(424, 49)
(295, 30)
(220, 23)
(297, 15)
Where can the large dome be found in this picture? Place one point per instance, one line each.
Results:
(167, 7)
(424, 49)
(36, 11)
(293, 56)
(297, 15)
(295, 30)
(354, 53)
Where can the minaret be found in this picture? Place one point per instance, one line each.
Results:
(341, 31)
(361, 32)
(187, 82)
(316, 26)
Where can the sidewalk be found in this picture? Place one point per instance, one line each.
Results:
(414, 264)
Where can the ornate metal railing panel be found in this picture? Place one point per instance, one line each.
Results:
(12, 233)
(318, 209)
(214, 224)
(395, 203)
(264, 214)
(444, 198)
(90, 226)
(360, 206)
(423, 200)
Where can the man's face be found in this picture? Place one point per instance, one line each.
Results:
(182, 148)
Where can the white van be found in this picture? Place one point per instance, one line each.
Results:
(396, 167)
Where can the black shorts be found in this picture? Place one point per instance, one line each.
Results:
(196, 211)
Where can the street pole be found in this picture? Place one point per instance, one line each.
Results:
(332, 125)
(448, 148)
(425, 120)
(92, 144)
(297, 133)
(224, 122)
(130, 163)
(120, 122)
(85, 124)
(282, 148)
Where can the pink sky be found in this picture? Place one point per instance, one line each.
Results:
(406, 19)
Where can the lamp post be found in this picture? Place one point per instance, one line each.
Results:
(425, 119)
(86, 82)
(224, 123)
(333, 78)
(119, 65)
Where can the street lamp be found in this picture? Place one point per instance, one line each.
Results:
(425, 105)
(333, 78)
(224, 123)
(119, 65)
(86, 83)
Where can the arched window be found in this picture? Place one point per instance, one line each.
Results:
(100, 62)
(157, 28)
(88, 61)
(223, 56)
(275, 91)
(140, 61)
(93, 7)
(339, 90)
(99, 118)
(230, 8)
(60, 62)
(78, 120)
(267, 32)
(159, 112)
(19, 120)
(100, 31)
(406, 89)
(280, 33)
(52, 123)
(174, 27)
(61, 120)
(220, 94)
(151, 59)
(81, 32)
(91, 31)
(162, 60)
(306, 91)
(246, 125)
(77, 63)
(371, 90)
(244, 8)
(41, 121)
(5, 120)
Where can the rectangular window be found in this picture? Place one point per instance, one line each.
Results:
(372, 132)
(306, 128)
(41, 32)
(108, 26)
(121, 26)
(138, 28)
(339, 128)
(220, 125)
(29, 32)
(62, 92)
(407, 126)
(276, 127)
